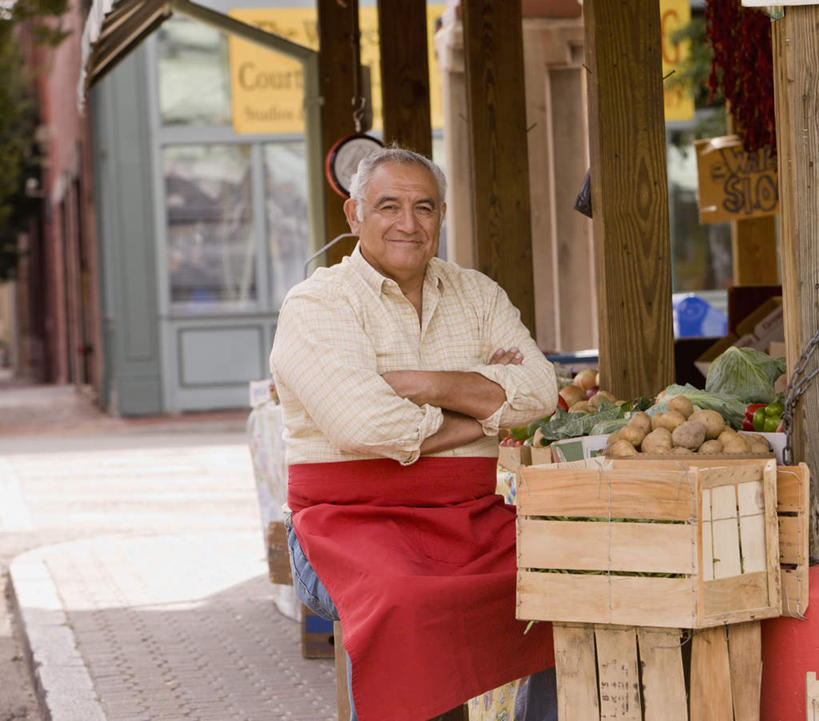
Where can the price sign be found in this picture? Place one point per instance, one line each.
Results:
(733, 184)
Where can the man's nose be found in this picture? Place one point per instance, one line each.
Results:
(407, 220)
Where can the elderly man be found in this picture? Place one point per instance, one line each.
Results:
(395, 371)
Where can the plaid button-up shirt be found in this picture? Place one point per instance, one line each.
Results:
(342, 328)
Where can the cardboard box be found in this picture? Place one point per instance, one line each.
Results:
(762, 327)
(578, 449)
(511, 457)
(661, 543)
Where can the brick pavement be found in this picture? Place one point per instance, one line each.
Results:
(183, 627)
(144, 592)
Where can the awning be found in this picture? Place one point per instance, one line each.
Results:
(115, 27)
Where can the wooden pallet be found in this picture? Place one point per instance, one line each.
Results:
(627, 673)
(792, 508)
(649, 543)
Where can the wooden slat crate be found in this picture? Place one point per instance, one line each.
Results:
(628, 673)
(793, 507)
(649, 543)
(811, 696)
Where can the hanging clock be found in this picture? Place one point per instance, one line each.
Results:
(344, 157)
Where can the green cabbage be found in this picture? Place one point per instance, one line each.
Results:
(746, 374)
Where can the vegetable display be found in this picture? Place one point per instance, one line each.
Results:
(681, 420)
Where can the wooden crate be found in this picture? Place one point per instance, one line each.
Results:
(649, 543)
(316, 636)
(632, 673)
(811, 696)
(793, 508)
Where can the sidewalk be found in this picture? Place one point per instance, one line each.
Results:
(139, 571)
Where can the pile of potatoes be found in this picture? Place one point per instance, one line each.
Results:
(682, 431)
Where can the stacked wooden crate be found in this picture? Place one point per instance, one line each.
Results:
(633, 559)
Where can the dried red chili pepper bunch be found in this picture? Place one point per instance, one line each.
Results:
(741, 40)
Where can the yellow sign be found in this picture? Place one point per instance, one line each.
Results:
(267, 87)
(675, 14)
(733, 184)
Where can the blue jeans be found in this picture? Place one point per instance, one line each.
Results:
(537, 696)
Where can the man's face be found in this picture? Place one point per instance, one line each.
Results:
(402, 216)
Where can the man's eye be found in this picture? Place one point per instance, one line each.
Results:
(425, 209)
(389, 208)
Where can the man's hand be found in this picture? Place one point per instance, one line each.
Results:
(462, 392)
(456, 431)
(502, 357)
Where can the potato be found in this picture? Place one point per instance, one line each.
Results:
(727, 435)
(758, 446)
(621, 449)
(580, 407)
(682, 405)
(690, 435)
(658, 441)
(641, 419)
(585, 379)
(572, 394)
(714, 423)
(736, 445)
(669, 420)
(710, 448)
(632, 433)
(681, 451)
(599, 398)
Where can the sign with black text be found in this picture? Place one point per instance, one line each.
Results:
(733, 184)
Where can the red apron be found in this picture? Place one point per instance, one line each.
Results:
(420, 563)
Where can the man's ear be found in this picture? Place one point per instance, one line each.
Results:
(443, 215)
(350, 208)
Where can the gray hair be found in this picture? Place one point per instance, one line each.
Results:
(392, 154)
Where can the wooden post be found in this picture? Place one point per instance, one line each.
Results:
(336, 23)
(795, 59)
(629, 196)
(405, 74)
(493, 44)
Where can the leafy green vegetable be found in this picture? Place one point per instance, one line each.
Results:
(573, 425)
(639, 404)
(606, 427)
(731, 409)
(746, 374)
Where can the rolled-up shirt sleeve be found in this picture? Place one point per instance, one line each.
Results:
(531, 387)
(322, 355)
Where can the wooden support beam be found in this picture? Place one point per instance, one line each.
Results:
(405, 74)
(629, 196)
(493, 45)
(795, 59)
(336, 23)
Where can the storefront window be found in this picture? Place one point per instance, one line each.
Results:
(194, 80)
(211, 247)
(288, 221)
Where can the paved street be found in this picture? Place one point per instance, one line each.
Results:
(138, 563)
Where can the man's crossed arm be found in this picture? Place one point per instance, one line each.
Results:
(465, 397)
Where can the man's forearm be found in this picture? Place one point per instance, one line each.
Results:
(456, 430)
(461, 392)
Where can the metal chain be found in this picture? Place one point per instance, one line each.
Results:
(798, 384)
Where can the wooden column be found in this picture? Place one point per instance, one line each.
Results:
(405, 74)
(493, 45)
(629, 196)
(335, 25)
(796, 57)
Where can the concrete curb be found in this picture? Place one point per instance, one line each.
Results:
(65, 691)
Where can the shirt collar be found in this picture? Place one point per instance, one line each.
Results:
(376, 281)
